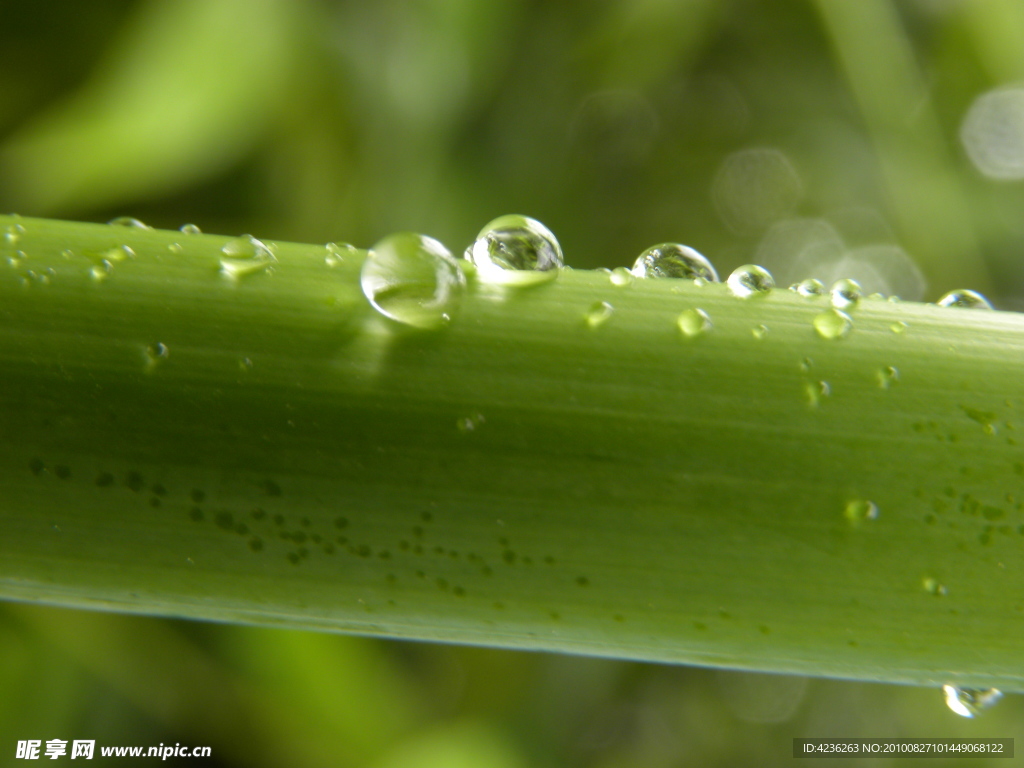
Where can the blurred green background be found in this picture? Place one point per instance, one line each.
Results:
(876, 139)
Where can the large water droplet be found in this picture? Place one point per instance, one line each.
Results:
(515, 250)
(846, 293)
(599, 313)
(674, 260)
(412, 279)
(970, 702)
(693, 322)
(128, 221)
(750, 281)
(810, 288)
(244, 256)
(833, 324)
(964, 299)
(190, 229)
(859, 511)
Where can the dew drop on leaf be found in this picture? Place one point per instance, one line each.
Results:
(675, 261)
(833, 324)
(244, 256)
(846, 293)
(750, 281)
(515, 250)
(412, 279)
(965, 299)
(128, 221)
(809, 288)
(970, 702)
(694, 322)
(598, 314)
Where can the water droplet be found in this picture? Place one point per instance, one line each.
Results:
(749, 281)
(970, 702)
(674, 260)
(809, 288)
(128, 221)
(964, 299)
(190, 229)
(860, 510)
(816, 392)
(101, 271)
(888, 376)
(620, 277)
(846, 293)
(412, 279)
(933, 587)
(599, 313)
(693, 322)
(175, 248)
(13, 233)
(118, 253)
(470, 423)
(806, 364)
(244, 256)
(898, 327)
(156, 354)
(515, 250)
(336, 253)
(833, 324)
(759, 331)
(876, 296)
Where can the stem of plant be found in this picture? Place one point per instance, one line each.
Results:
(268, 449)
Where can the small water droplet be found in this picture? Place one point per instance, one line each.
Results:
(412, 279)
(816, 392)
(244, 256)
(675, 261)
(750, 281)
(190, 229)
(599, 313)
(155, 354)
(515, 250)
(128, 221)
(846, 293)
(964, 299)
(833, 324)
(876, 296)
(898, 327)
(970, 702)
(694, 322)
(887, 377)
(13, 233)
(894, 299)
(175, 248)
(759, 331)
(112, 255)
(933, 587)
(101, 271)
(809, 288)
(806, 364)
(336, 253)
(620, 277)
(470, 423)
(860, 511)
